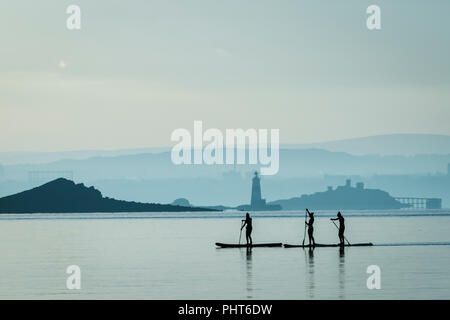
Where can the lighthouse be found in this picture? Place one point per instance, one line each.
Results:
(257, 202)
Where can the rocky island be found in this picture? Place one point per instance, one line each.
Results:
(343, 198)
(64, 196)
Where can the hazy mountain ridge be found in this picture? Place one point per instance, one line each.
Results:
(293, 163)
(152, 176)
(391, 144)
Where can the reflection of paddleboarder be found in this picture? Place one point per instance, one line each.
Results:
(341, 227)
(310, 228)
(248, 229)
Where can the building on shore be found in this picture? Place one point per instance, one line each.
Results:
(344, 197)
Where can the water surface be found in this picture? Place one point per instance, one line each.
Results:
(172, 256)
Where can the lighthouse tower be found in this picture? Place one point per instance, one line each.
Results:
(256, 201)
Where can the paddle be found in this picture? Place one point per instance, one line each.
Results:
(240, 233)
(304, 231)
(338, 229)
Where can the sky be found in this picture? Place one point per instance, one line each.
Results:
(138, 70)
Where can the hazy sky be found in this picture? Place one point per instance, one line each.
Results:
(137, 70)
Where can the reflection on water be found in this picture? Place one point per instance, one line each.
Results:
(310, 271)
(341, 272)
(249, 273)
(310, 274)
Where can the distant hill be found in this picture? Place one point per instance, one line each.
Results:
(181, 202)
(293, 163)
(391, 144)
(18, 157)
(64, 196)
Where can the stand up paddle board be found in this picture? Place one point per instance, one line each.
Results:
(255, 245)
(320, 245)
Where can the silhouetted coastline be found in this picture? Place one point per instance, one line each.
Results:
(64, 196)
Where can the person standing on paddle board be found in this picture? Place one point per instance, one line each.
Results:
(310, 228)
(248, 229)
(341, 227)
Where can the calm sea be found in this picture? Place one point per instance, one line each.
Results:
(173, 256)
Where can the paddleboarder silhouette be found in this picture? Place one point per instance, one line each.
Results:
(341, 227)
(310, 228)
(248, 229)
